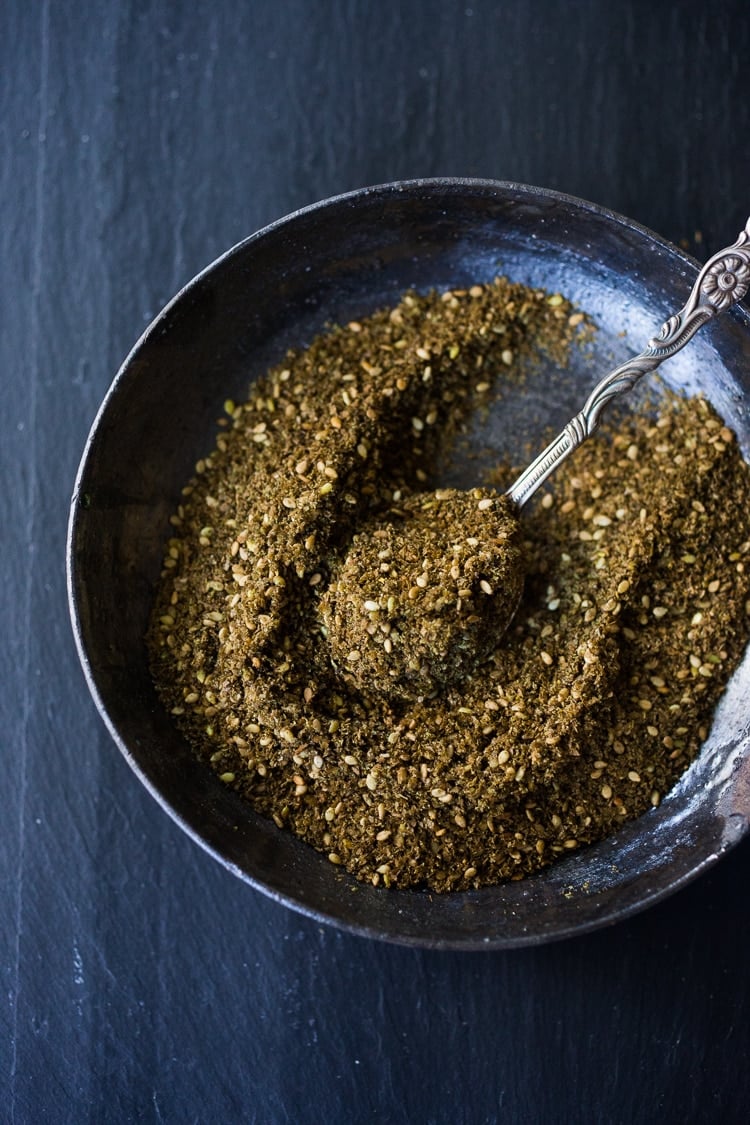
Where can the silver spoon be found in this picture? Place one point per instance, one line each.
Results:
(724, 280)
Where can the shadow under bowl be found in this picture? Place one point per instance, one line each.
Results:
(333, 262)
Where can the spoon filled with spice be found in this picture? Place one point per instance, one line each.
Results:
(442, 576)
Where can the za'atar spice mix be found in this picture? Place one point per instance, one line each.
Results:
(329, 624)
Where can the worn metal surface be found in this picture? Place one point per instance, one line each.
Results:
(722, 281)
(336, 262)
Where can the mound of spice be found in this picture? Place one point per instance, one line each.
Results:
(325, 629)
(425, 594)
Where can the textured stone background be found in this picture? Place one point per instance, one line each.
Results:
(141, 982)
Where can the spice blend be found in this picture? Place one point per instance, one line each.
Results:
(328, 629)
(424, 592)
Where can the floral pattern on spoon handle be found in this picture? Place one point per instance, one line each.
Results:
(724, 280)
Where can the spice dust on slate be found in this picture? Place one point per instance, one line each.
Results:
(326, 623)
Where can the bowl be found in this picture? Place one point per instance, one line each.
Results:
(335, 261)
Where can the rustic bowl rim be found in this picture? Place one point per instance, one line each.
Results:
(433, 185)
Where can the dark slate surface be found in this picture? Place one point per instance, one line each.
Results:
(141, 982)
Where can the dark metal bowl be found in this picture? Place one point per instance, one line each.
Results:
(332, 262)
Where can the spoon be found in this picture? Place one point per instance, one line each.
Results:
(439, 641)
(724, 280)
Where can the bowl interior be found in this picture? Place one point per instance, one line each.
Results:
(331, 263)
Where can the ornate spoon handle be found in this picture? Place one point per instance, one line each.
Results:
(722, 282)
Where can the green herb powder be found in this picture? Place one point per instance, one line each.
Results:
(329, 629)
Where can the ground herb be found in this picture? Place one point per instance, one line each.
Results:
(424, 592)
(326, 621)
